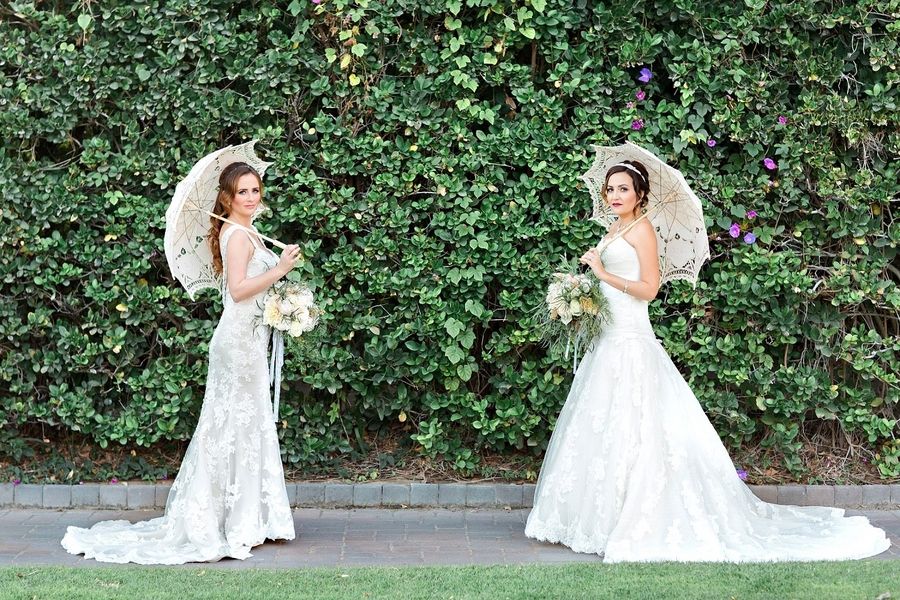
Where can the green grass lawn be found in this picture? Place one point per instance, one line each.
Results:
(844, 581)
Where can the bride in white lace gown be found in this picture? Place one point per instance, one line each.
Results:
(229, 494)
(634, 470)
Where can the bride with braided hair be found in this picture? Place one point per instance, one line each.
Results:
(229, 495)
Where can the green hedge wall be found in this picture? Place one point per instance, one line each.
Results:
(427, 158)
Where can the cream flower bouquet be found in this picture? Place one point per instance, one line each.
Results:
(290, 307)
(575, 310)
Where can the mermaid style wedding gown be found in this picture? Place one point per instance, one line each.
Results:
(635, 471)
(229, 494)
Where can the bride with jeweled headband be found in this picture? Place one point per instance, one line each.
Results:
(634, 470)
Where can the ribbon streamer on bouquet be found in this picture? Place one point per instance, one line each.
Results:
(575, 358)
(574, 352)
(275, 369)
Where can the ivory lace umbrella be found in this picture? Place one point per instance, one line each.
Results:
(673, 208)
(187, 218)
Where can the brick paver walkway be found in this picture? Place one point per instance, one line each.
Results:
(347, 537)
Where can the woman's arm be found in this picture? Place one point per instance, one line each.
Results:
(240, 250)
(643, 239)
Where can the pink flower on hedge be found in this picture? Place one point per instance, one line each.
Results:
(770, 164)
(637, 124)
(782, 120)
(629, 105)
(734, 230)
(742, 474)
(640, 94)
(749, 238)
(751, 214)
(16, 481)
(711, 142)
(646, 75)
(317, 1)
(114, 480)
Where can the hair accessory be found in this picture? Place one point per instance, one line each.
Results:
(631, 168)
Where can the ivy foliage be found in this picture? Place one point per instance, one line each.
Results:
(427, 158)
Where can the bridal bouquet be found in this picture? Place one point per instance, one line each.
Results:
(290, 307)
(575, 310)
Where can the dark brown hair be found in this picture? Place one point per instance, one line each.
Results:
(228, 181)
(641, 182)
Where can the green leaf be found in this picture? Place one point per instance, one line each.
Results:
(84, 21)
(358, 49)
(738, 211)
(467, 339)
(454, 353)
(453, 327)
(295, 8)
(474, 308)
(539, 5)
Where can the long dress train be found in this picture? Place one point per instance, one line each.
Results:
(635, 471)
(229, 494)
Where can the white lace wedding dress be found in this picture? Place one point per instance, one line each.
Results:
(229, 494)
(635, 471)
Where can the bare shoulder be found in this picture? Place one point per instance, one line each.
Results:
(642, 234)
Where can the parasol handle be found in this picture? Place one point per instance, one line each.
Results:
(273, 241)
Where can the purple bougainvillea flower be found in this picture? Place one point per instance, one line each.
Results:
(770, 164)
(629, 105)
(640, 94)
(16, 481)
(742, 474)
(317, 1)
(711, 142)
(751, 214)
(749, 238)
(734, 230)
(782, 120)
(637, 124)
(114, 480)
(646, 75)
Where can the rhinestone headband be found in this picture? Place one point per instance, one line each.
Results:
(630, 168)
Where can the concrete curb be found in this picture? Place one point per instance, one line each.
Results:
(407, 494)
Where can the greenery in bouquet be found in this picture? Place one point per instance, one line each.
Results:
(574, 310)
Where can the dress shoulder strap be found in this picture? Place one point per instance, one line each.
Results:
(226, 235)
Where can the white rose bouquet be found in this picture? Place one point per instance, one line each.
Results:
(575, 309)
(290, 307)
